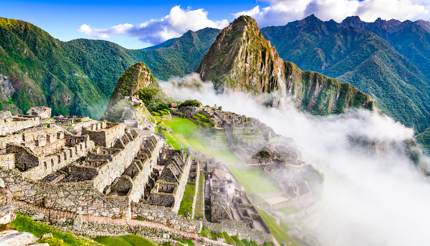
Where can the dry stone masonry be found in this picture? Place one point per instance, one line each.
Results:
(86, 167)
(105, 178)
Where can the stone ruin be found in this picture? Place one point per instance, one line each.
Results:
(6, 207)
(62, 168)
(227, 201)
(57, 163)
(40, 111)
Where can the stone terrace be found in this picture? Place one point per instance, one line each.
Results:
(167, 186)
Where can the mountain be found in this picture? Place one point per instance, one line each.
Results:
(178, 56)
(386, 59)
(40, 72)
(132, 81)
(424, 139)
(242, 59)
(79, 76)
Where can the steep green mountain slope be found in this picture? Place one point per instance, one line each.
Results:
(242, 59)
(178, 56)
(79, 76)
(41, 72)
(352, 52)
(134, 79)
(102, 61)
(424, 139)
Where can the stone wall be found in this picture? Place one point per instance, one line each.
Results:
(179, 193)
(75, 197)
(119, 162)
(237, 228)
(196, 190)
(104, 134)
(34, 137)
(48, 164)
(11, 125)
(165, 216)
(140, 180)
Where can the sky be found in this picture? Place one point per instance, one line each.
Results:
(141, 23)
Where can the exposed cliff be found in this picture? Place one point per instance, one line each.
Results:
(320, 94)
(242, 59)
(132, 81)
(124, 104)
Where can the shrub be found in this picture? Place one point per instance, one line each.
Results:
(148, 94)
(190, 103)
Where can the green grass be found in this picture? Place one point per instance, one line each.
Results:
(60, 238)
(232, 240)
(186, 208)
(126, 240)
(202, 120)
(200, 203)
(279, 231)
(185, 133)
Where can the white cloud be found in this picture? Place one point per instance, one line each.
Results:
(367, 197)
(280, 12)
(154, 31)
(105, 33)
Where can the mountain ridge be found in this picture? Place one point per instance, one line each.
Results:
(355, 52)
(242, 59)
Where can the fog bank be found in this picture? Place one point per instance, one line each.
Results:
(368, 197)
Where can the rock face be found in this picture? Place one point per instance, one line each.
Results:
(132, 80)
(242, 59)
(320, 94)
(7, 211)
(123, 104)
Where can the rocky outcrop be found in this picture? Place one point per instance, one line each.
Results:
(320, 94)
(132, 81)
(7, 210)
(124, 104)
(242, 59)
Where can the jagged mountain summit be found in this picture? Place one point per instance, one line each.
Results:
(242, 59)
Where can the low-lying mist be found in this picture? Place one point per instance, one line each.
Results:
(367, 197)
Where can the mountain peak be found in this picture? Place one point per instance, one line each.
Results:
(242, 59)
(244, 22)
(353, 21)
(312, 18)
(132, 81)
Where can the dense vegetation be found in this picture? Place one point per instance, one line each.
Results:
(79, 76)
(178, 56)
(387, 59)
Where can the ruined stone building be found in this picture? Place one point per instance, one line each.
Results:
(228, 201)
(89, 167)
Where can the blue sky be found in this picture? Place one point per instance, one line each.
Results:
(141, 23)
(63, 18)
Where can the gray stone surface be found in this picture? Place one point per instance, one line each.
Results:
(15, 238)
